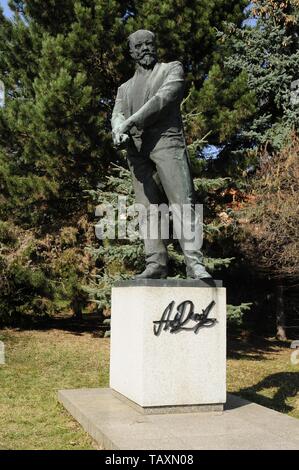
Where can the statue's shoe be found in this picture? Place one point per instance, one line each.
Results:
(198, 272)
(152, 272)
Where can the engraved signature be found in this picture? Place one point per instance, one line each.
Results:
(183, 316)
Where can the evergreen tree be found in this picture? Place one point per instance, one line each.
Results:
(58, 65)
(269, 54)
(61, 65)
(58, 80)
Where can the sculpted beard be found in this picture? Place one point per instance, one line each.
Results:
(147, 60)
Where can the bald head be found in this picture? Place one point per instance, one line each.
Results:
(143, 48)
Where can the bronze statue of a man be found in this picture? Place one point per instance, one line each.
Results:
(147, 119)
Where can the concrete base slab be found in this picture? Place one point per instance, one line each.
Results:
(114, 425)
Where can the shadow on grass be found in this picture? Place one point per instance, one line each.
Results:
(286, 384)
(253, 348)
(89, 323)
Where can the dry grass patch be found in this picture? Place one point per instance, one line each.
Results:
(38, 364)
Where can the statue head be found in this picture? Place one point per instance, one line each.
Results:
(142, 48)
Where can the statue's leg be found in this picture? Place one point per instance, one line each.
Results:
(174, 173)
(148, 190)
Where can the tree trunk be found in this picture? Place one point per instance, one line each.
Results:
(77, 310)
(280, 315)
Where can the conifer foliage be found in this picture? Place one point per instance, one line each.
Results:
(61, 63)
(269, 55)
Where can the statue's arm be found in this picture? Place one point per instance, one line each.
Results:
(120, 138)
(117, 114)
(171, 90)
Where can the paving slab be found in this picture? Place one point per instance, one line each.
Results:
(243, 425)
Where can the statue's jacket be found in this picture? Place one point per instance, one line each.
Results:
(158, 123)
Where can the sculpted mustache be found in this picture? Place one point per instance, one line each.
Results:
(147, 53)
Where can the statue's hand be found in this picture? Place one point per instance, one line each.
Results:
(119, 140)
(120, 134)
(125, 126)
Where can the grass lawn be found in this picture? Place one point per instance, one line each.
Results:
(39, 362)
(261, 371)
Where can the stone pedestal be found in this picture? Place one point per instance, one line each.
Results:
(168, 343)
